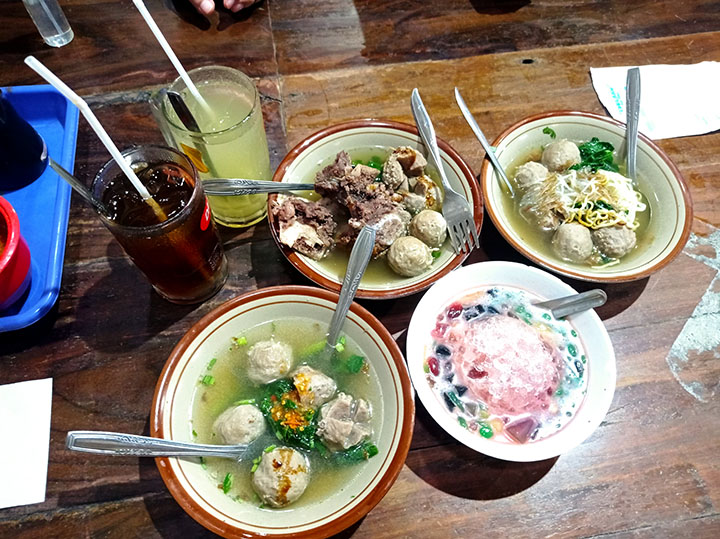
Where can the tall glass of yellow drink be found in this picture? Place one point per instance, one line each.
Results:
(231, 139)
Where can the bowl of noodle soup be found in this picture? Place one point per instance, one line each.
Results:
(655, 208)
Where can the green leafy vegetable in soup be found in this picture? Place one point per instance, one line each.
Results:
(317, 459)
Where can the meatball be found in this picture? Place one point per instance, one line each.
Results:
(408, 256)
(413, 203)
(268, 361)
(344, 421)
(240, 424)
(426, 187)
(530, 173)
(281, 477)
(393, 173)
(429, 227)
(313, 387)
(560, 155)
(572, 242)
(614, 241)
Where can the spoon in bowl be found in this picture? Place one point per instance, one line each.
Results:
(357, 264)
(632, 118)
(131, 445)
(562, 307)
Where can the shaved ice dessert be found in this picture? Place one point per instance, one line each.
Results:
(506, 369)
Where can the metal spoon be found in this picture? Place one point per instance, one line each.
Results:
(119, 444)
(489, 151)
(562, 307)
(358, 262)
(188, 120)
(239, 186)
(632, 118)
(78, 187)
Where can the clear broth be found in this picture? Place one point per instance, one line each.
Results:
(231, 385)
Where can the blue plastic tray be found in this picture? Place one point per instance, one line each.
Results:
(44, 205)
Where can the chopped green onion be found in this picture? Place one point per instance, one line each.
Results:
(194, 433)
(212, 363)
(436, 254)
(240, 341)
(269, 448)
(244, 401)
(227, 483)
(207, 380)
(203, 463)
(549, 131)
(290, 404)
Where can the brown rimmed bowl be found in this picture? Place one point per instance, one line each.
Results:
(659, 180)
(363, 138)
(191, 485)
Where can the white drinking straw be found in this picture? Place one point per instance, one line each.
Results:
(171, 55)
(76, 100)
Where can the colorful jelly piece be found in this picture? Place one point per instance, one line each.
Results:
(442, 351)
(521, 429)
(485, 430)
(433, 365)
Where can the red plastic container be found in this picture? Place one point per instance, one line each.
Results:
(14, 257)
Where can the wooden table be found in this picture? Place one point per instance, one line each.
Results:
(651, 469)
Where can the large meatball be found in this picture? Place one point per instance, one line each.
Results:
(530, 173)
(313, 387)
(429, 227)
(560, 155)
(268, 361)
(408, 256)
(281, 477)
(572, 242)
(614, 241)
(240, 424)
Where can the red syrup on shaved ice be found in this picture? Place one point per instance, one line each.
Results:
(508, 370)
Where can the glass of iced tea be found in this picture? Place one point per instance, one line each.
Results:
(231, 140)
(182, 256)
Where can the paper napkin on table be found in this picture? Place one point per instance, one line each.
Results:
(25, 442)
(676, 100)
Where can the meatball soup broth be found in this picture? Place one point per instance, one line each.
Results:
(257, 357)
(656, 207)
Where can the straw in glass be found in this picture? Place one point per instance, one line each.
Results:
(76, 100)
(172, 57)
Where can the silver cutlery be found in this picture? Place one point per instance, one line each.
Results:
(239, 186)
(565, 306)
(357, 264)
(489, 151)
(119, 444)
(632, 119)
(456, 210)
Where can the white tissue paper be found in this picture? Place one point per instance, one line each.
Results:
(25, 423)
(675, 100)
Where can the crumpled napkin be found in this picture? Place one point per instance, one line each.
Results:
(675, 101)
(25, 425)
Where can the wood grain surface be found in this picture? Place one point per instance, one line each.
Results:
(652, 469)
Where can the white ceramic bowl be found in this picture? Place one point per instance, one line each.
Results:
(658, 179)
(600, 366)
(368, 136)
(191, 485)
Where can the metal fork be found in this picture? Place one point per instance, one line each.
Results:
(456, 210)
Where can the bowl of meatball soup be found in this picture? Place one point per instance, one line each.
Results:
(326, 430)
(370, 172)
(574, 210)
